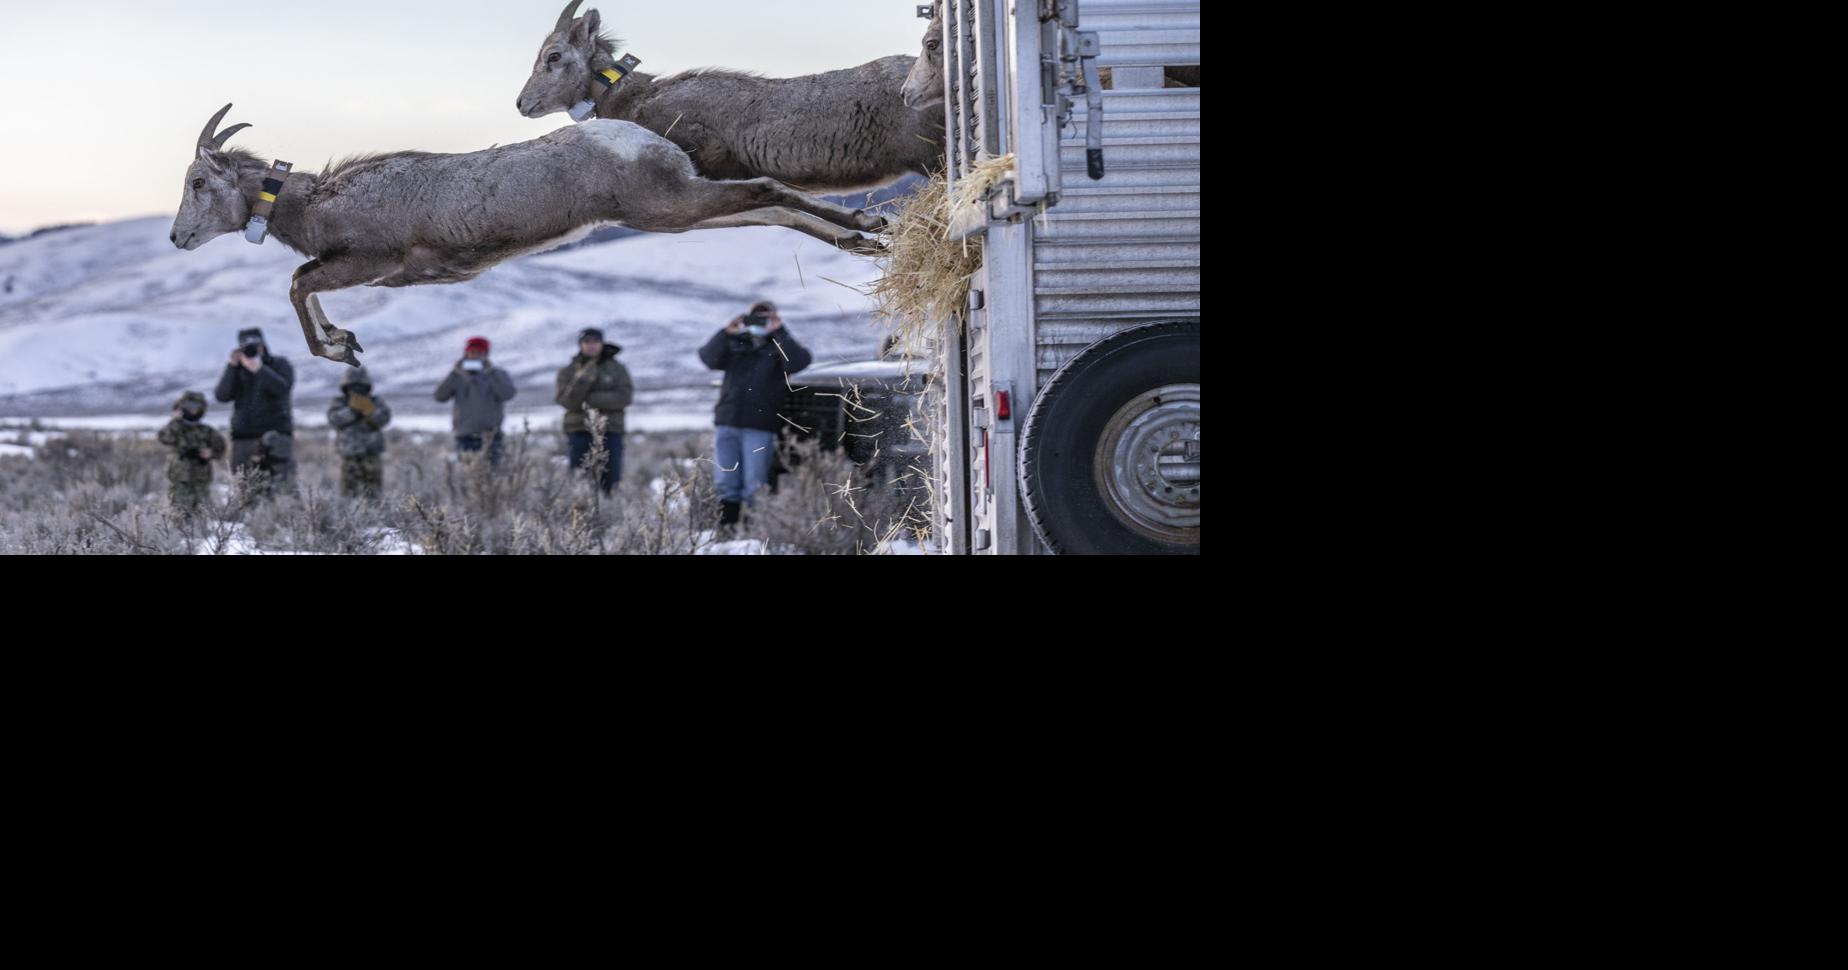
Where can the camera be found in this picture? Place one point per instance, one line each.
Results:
(253, 350)
(473, 366)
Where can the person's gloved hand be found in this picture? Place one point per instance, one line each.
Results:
(361, 404)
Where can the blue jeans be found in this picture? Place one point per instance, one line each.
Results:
(744, 456)
(472, 442)
(612, 471)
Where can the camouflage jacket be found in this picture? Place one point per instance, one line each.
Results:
(358, 435)
(605, 386)
(185, 466)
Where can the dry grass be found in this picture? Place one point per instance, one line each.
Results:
(100, 494)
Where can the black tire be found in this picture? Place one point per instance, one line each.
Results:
(1131, 389)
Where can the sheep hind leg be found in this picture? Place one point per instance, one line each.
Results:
(828, 232)
(675, 207)
(770, 192)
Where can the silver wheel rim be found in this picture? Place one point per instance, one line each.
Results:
(1148, 464)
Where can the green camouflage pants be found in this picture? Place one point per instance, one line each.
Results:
(362, 477)
(188, 496)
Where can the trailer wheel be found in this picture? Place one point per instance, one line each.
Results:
(1111, 449)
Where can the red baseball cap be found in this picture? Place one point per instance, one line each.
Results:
(477, 343)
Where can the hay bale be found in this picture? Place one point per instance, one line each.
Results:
(925, 284)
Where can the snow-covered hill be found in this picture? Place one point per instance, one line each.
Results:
(111, 318)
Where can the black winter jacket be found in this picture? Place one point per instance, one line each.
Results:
(756, 377)
(259, 402)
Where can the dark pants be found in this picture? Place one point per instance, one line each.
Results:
(363, 476)
(248, 456)
(611, 472)
(473, 442)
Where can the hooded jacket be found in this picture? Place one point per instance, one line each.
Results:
(603, 384)
(259, 402)
(756, 377)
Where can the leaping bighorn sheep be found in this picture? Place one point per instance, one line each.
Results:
(411, 218)
(834, 133)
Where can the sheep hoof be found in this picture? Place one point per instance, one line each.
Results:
(338, 353)
(348, 339)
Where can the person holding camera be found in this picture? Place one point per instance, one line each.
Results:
(258, 385)
(595, 380)
(757, 353)
(481, 392)
(359, 419)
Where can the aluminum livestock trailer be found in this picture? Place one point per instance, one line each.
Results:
(1070, 414)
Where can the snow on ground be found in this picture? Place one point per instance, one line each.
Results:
(236, 541)
(740, 547)
(393, 543)
(16, 451)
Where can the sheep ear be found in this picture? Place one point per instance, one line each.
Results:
(584, 31)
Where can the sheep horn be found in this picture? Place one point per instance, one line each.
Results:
(211, 127)
(218, 143)
(570, 14)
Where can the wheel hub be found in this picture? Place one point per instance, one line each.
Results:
(1148, 464)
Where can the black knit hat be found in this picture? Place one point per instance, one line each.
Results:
(590, 333)
(192, 404)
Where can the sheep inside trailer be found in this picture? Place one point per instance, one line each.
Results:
(1070, 410)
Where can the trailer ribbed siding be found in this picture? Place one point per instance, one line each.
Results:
(1126, 250)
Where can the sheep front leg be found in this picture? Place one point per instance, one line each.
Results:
(324, 339)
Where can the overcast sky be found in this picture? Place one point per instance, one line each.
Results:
(101, 102)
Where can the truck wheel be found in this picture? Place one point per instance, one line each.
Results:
(1111, 450)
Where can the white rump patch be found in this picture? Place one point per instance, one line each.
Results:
(626, 140)
(574, 236)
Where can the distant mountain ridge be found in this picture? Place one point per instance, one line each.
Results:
(44, 230)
